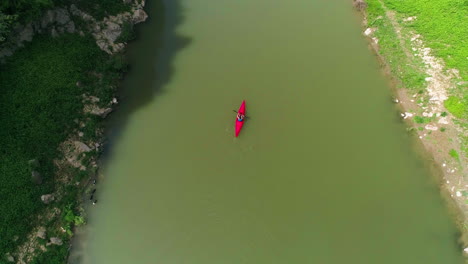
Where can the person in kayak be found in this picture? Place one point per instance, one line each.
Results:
(240, 117)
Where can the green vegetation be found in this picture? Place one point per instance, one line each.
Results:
(39, 100)
(99, 9)
(457, 106)
(454, 154)
(406, 71)
(127, 33)
(421, 120)
(5, 24)
(443, 25)
(442, 129)
(22, 11)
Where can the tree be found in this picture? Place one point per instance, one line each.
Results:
(5, 25)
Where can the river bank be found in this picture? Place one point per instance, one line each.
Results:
(58, 79)
(420, 52)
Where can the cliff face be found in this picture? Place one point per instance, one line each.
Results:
(71, 19)
(90, 88)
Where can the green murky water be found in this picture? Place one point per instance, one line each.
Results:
(321, 173)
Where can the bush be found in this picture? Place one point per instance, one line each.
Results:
(128, 33)
(39, 99)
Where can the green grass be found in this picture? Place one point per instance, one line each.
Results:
(39, 99)
(454, 154)
(406, 71)
(424, 119)
(457, 106)
(444, 26)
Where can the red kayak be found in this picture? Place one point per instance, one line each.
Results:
(239, 124)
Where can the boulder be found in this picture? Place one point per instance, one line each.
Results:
(82, 147)
(47, 19)
(70, 27)
(41, 232)
(47, 198)
(359, 4)
(112, 31)
(56, 241)
(62, 16)
(9, 257)
(139, 16)
(5, 52)
(26, 34)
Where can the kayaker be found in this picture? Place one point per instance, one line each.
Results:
(240, 117)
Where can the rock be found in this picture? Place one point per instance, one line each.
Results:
(47, 19)
(80, 134)
(139, 16)
(9, 257)
(97, 28)
(56, 241)
(36, 177)
(62, 16)
(102, 112)
(407, 114)
(431, 127)
(114, 101)
(359, 4)
(47, 198)
(70, 27)
(369, 31)
(60, 30)
(5, 52)
(26, 34)
(41, 232)
(94, 99)
(127, 1)
(112, 31)
(75, 11)
(81, 33)
(82, 147)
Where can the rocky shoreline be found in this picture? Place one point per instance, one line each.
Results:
(79, 154)
(439, 132)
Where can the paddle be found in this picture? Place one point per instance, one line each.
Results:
(238, 112)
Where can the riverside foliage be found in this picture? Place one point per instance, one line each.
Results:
(39, 100)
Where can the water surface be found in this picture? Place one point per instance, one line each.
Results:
(321, 173)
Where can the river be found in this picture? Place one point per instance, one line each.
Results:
(322, 172)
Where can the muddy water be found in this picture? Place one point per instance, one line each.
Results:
(321, 173)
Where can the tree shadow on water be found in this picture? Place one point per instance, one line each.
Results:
(151, 58)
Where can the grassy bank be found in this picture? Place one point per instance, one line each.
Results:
(443, 27)
(39, 101)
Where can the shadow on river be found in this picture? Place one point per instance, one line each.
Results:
(158, 41)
